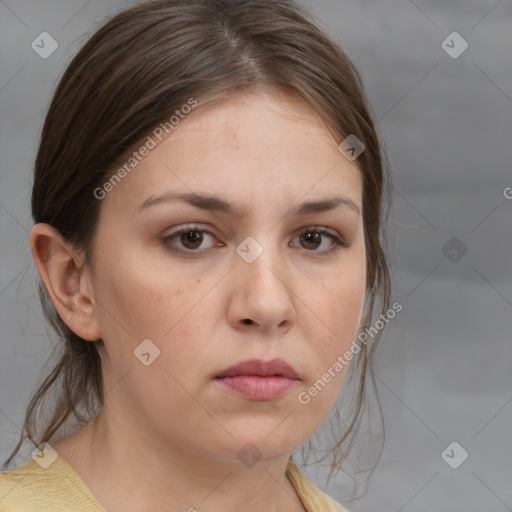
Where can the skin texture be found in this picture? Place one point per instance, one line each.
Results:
(168, 433)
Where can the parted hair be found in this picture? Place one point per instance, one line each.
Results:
(136, 69)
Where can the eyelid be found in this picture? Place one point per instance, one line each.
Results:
(185, 229)
(338, 240)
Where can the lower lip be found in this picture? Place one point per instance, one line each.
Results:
(255, 387)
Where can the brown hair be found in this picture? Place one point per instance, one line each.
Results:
(139, 67)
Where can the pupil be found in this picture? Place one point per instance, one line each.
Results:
(193, 237)
(313, 238)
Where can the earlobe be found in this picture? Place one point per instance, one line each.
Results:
(69, 288)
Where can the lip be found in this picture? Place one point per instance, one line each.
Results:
(257, 367)
(259, 380)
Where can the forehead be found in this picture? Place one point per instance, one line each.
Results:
(250, 149)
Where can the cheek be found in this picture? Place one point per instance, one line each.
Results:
(331, 320)
(138, 301)
(347, 308)
(338, 306)
(137, 297)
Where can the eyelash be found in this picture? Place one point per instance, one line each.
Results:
(339, 243)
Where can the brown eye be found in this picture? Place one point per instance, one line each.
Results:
(191, 239)
(188, 240)
(312, 239)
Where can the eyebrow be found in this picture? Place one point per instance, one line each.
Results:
(217, 204)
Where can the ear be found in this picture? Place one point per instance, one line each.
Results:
(69, 286)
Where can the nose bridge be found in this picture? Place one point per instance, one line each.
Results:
(263, 266)
(261, 286)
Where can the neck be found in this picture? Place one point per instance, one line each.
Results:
(127, 471)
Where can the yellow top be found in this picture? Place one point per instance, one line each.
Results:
(58, 488)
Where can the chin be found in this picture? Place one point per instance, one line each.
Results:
(267, 441)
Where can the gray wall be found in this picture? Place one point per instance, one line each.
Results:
(443, 367)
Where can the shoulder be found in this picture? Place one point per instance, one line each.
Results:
(313, 499)
(45, 488)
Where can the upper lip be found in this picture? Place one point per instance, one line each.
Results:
(275, 367)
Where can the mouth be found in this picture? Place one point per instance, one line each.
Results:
(259, 380)
(259, 368)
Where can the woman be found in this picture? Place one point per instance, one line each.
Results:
(207, 199)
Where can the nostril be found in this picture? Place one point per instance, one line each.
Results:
(248, 321)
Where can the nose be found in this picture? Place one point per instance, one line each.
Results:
(262, 289)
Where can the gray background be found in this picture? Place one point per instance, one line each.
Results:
(443, 366)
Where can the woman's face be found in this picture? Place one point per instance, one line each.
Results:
(254, 283)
